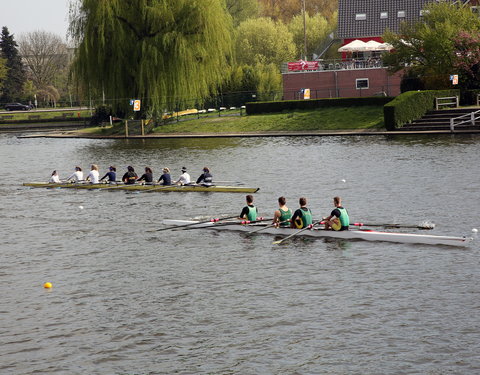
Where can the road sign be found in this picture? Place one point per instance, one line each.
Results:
(136, 105)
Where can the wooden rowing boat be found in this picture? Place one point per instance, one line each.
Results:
(316, 232)
(139, 187)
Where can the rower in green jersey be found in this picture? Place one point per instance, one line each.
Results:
(338, 219)
(282, 216)
(249, 212)
(302, 217)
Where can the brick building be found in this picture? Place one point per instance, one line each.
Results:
(359, 73)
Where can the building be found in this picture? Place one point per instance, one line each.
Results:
(357, 73)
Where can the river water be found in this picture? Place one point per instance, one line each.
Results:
(126, 300)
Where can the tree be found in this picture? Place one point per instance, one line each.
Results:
(285, 10)
(317, 30)
(467, 59)
(165, 52)
(13, 83)
(425, 49)
(45, 56)
(263, 41)
(241, 10)
(3, 73)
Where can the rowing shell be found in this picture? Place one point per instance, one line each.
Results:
(135, 187)
(362, 234)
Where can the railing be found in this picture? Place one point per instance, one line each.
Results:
(470, 118)
(339, 65)
(451, 100)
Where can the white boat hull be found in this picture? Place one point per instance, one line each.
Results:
(367, 235)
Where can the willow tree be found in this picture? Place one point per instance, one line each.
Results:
(168, 53)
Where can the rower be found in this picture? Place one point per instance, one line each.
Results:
(302, 217)
(93, 175)
(282, 216)
(184, 178)
(54, 178)
(165, 178)
(249, 212)
(130, 176)
(147, 176)
(77, 176)
(111, 175)
(205, 178)
(338, 219)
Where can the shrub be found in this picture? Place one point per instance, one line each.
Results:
(291, 105)
(411, 105)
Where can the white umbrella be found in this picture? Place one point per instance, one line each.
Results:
(372, 45)
(385, 47)
(354, 46)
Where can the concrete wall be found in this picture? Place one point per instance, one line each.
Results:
(340, 83)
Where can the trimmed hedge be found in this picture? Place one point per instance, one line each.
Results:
(411, 105)
(256, 108)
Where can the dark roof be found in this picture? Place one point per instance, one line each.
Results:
(373, 25)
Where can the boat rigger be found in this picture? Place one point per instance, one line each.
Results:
(315, 232)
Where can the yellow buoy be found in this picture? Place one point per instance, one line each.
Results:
(47, 285)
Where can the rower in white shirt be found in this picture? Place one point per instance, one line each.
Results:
(77, 175)
(54, 178)
(184, 178)
(93, 176)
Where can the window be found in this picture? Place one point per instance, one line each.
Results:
(360, 16)
(401, 14)
(383, 15)
(361, 83)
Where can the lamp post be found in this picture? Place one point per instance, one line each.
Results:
(304, 32)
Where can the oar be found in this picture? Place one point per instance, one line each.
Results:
(214, 220)
(243, 222)
(386, 225)
(294, 234)
(268, 226)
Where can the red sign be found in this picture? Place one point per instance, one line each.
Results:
(302, 65)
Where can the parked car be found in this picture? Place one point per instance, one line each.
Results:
(17, 107)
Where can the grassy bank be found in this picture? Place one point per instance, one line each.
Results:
(39, 115)
(339, 118)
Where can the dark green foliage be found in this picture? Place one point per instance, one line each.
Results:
(13, 84)
(411, 105)
(291, 105)
(102, 113)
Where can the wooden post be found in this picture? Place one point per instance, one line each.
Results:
(143, 129)
(126, 128)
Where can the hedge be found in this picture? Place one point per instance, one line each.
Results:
(411, 105)
(256, 108)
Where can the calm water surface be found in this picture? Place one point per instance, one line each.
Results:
(128, 301)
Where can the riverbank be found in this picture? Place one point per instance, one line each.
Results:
(222, 124)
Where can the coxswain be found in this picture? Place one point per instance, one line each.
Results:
(206, 179)
(54, 178)
(282, 216)
(249, 212)
(77, 176)
(93, 175)
(302, 217)
(165, 178)
(338, 219)
(130, 176)
(111, 175)
(147, 176)
(184, 178)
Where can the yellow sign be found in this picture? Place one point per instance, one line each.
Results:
(136, 105)
(306, 94)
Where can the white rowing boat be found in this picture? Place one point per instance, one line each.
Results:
(316, 232)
